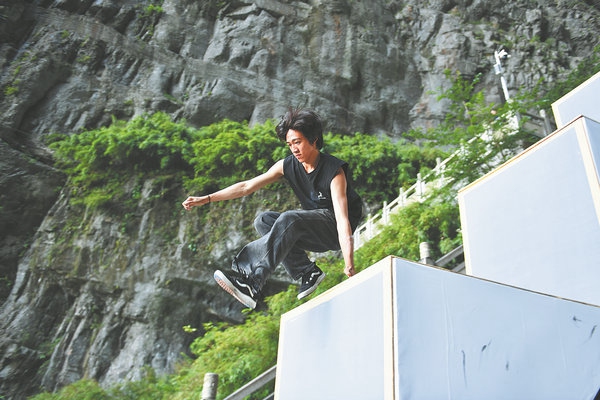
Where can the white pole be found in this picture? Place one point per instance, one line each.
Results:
(209, 389)
(499, 55)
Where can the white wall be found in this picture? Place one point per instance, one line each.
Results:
(403, 330)
(534, 222)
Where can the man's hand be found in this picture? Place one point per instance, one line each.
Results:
(349, 271)
(195, 201)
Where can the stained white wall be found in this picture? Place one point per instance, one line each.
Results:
(534, 222)
(459, 337)
(402, 330)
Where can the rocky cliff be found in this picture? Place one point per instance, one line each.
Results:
(101, 295)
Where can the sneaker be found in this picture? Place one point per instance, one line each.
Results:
(237, 285)
(310, 281)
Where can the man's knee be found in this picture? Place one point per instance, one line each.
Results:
(264, 221)
(288, 219)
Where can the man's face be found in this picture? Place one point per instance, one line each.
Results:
(299, 145)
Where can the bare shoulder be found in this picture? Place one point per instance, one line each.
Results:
(272, 175)
(276, 171)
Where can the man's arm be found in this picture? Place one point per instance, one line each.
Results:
(239, 189)
(340, 208)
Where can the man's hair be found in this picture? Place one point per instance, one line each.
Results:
(306, 121)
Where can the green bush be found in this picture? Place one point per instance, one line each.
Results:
(238, 353)
(227, 152)
(84, 389)
(436, 222)
(481, 135)
(378, 166)
(100, 161)
(589, 66)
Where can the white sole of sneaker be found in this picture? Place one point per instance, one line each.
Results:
(230, 288)
(312, 289)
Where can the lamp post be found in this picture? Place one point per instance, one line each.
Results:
(499, 56)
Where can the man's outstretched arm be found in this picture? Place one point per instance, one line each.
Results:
(239, 189)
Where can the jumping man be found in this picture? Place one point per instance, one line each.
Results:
(330, 213)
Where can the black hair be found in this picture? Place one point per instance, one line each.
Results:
(306, 121)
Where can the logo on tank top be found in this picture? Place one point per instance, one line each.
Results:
(317, 196)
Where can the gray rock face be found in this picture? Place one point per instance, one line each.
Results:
(92, 294)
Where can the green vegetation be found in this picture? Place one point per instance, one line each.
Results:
(99, 162)
(153, 9)
(149, 17)
(84, 59)
(201, 160)
(435, 222)
(380, 167)
(12, 89)
(482, 135)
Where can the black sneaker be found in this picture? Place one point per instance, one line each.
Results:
(310, 281)
(237, 285)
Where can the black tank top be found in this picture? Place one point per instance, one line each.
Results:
(314, 189)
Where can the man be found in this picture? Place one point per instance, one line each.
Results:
(330, 212)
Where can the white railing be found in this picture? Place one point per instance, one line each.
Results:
(416, 193)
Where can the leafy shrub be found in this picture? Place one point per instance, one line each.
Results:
(85, 389)
(481, 135)
(202, 160)
(433, 222)
(238, 353)
(100, 161)
(227, 152)
(588, 66)
(378, 166)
